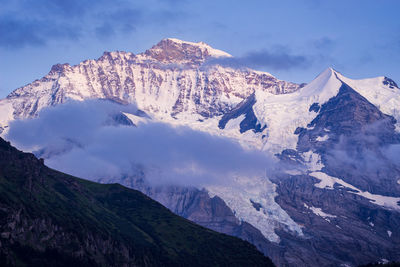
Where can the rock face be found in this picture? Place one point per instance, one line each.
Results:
(244, 108)
(174, 51)
(340, 227)
(166, 80)
(333, 199)
(50, 218)
(356, 134)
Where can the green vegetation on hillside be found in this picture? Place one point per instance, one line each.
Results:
(49, 218)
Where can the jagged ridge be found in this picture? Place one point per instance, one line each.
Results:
(166, 80)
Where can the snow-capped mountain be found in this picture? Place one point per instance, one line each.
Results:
(167, 80)
(336, 139)
(281, 115)
(327, 112)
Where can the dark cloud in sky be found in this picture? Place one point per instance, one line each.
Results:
(105, 31)
(36, 23)
(17, 33)
(67, 9)
(124, 20)
(275, 59)
(76, 138)
(324, 43)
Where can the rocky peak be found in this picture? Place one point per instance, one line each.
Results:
(148, 79)
(58, 68)
(389, 82)
(172, 50)
(116, 56)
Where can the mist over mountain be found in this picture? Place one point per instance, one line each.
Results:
(86, 140)
(307, 173)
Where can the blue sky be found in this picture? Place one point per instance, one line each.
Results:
(292, 39)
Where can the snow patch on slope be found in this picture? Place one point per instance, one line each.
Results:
(328, 182)
(137, 120)
(212, 51)
(313, 161)
(234, 124)
(319, 212)
(6, 115)
(239, 197)
(322, 138)
(382, 96)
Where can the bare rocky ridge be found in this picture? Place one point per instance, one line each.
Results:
(170, 51)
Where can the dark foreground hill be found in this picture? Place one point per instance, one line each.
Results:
(48, 218)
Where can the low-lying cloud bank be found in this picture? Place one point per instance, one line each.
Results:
(80, 138)
(371, 151)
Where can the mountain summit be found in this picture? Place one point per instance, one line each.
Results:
(176, 51)
(156, 81)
